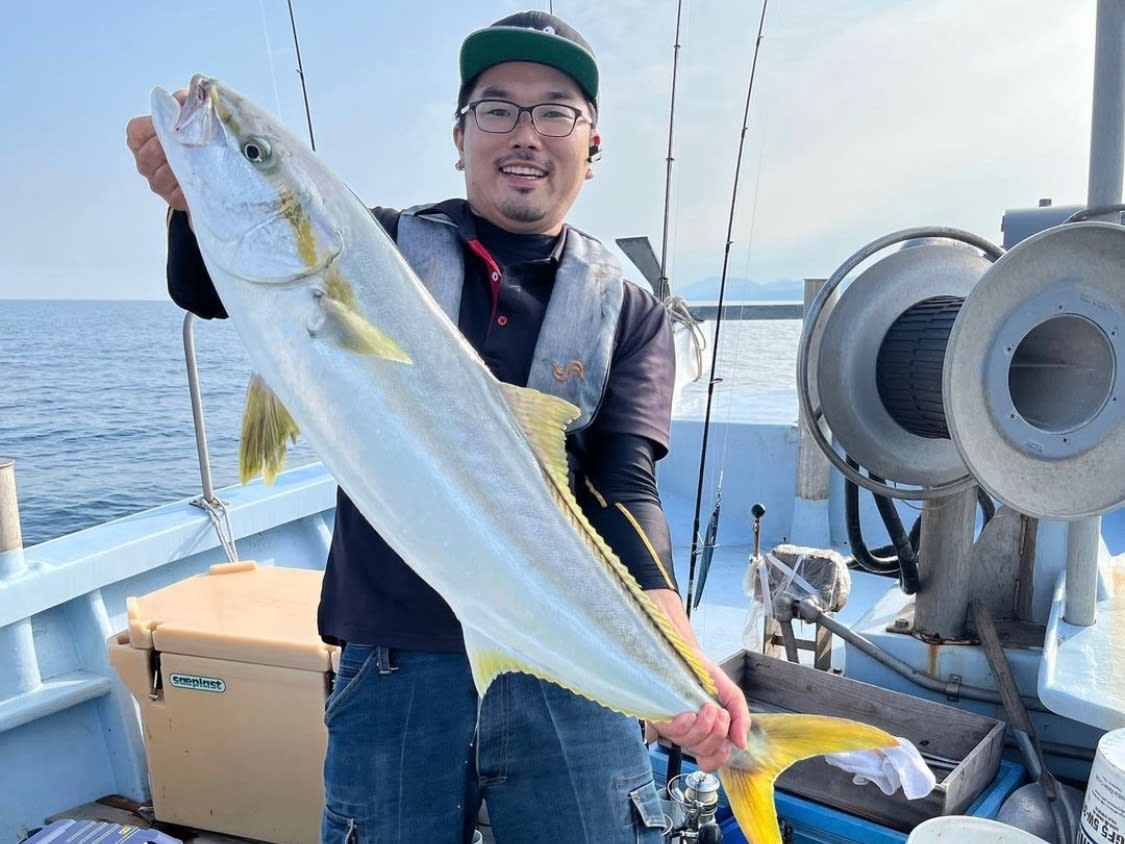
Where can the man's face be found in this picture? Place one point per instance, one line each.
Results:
(522, 181)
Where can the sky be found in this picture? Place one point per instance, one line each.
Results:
(867, 116)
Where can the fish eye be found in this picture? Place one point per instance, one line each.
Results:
(256, 150)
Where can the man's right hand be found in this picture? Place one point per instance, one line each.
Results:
(151, 161)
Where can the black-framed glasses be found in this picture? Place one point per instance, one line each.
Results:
(499, 117)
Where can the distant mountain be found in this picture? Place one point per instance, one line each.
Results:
(743, 290)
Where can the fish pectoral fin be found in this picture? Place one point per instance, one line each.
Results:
(544, 419)
(489, 659)
(266, 425)
(354, 332)
(779, 740)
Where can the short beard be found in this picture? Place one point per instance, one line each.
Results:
(522, 212)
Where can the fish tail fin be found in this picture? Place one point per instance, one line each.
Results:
(779, 740)
(750, 794)
(266, 425)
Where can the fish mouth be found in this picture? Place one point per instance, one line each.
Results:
(195, 123)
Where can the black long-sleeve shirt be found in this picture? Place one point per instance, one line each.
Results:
(370, 595)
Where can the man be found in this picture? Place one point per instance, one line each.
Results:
(412, 751)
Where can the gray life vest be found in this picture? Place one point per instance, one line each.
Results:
(575, 345)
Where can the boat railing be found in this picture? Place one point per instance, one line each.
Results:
(197, 408)
(747, 310)
(215, 509)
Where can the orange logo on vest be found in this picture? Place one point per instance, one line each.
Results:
(565, 373)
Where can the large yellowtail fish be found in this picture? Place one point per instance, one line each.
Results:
(464, 476)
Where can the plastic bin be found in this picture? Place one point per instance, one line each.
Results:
(971, 743)
(805, 821)
(954, 829)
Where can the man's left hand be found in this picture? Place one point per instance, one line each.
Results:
(710, 733)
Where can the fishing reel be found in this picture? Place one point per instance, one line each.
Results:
(694, 799)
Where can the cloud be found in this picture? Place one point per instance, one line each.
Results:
(901, 108)
(865, 119)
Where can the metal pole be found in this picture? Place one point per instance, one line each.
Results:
(813, 468)
(1107, 125)
(810, 508)
(17, 641)
(1082, 571)
(1107, 169)
(942, 603)
(197, 408)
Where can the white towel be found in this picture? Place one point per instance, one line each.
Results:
(889, 768)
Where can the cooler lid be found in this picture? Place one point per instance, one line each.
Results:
(236, 611)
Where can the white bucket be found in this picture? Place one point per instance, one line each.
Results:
(959, 829)
(1103, 811)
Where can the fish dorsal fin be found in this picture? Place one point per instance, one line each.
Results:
(544, 419)
(266, 425)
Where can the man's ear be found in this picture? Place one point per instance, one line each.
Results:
(459, 140)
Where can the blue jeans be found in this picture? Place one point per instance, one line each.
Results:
(410, 760)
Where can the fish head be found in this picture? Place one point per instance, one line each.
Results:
(251, 187)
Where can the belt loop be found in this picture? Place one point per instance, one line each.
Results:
(384, 660)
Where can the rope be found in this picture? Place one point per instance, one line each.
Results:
(679, 314)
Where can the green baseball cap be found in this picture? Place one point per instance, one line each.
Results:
(531, 37)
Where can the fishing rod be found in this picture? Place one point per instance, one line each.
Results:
(719, 318)
(662, 287)
(301, 73)
(675, 753)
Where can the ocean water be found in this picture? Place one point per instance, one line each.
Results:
(96, 412)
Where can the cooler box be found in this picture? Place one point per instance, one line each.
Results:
(231, 678)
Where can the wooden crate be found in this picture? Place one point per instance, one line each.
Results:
(972, 743)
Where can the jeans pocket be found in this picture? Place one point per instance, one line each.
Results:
(355, 662)
(336, 829)
(649, 819)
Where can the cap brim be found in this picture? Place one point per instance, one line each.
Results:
(494, 45)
